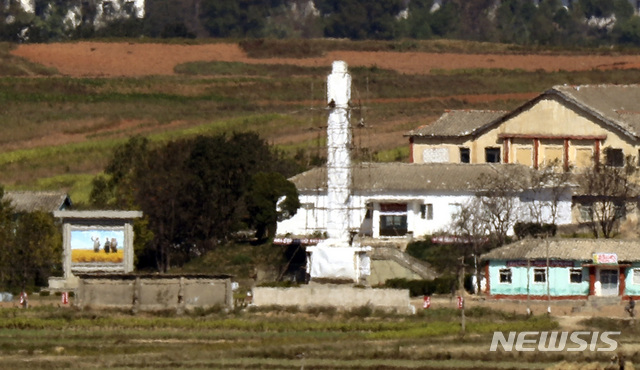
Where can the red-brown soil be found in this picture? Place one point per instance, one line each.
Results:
(96, 59)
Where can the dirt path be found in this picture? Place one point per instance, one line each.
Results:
(96, 59)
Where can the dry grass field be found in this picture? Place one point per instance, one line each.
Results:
(118, 59)
(70, 104)
(86, 255)
(53, 335)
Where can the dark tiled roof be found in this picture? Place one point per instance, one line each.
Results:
(413, 176)
(30, 201)
(566, 249)
(456, 123)
(617, 106)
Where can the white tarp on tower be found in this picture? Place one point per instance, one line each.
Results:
(338, 158)
(336, 258)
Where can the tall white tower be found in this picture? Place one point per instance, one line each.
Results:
(338, 157)
(336, 258)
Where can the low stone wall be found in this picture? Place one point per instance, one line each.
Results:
(340, 296)
(154, 292)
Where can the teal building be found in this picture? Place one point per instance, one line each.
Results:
(563, 269)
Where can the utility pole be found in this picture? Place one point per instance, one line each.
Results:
(462, 294)
(546, 240)
(528, 289)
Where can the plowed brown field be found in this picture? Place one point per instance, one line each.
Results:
(96, 59)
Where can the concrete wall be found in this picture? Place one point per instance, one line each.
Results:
(152, 293)
(383, 270)
(341, 296)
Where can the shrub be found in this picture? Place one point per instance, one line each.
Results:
(322, 310)
(534, 229)
(361, 312)
(441, 285)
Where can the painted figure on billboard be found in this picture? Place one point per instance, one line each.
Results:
(85, 246)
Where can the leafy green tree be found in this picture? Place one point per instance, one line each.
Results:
(360, 19)
(543, 29)
(271, 198)
(628, 31)
(114, 188)
(623, 10)
(237, 18)
(418, 23)
(192, 192)
(36, 250)
(50, 22)
(160, 193)
(475, 22)
(597, 8)
(515, 21)
(445, 21)
(13, 22)
(6, 238)
(172, 18)
(295, 19)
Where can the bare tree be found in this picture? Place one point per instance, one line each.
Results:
(497, 204)
(547, 186)
(610, 191)
(472, 231)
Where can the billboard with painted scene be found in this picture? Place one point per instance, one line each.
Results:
(97, 245)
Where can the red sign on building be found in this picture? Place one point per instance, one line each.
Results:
(608, 258)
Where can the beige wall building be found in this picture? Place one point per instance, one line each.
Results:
(573, 125)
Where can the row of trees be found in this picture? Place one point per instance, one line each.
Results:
(196, 193)
(532, 22)
(30, 247)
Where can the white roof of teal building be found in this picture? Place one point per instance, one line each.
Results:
(566, 249)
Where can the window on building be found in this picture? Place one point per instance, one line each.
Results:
(391, 225)
(435, 155)
(505, 276)
(539, 275)
(586, 212)
(575, 276)
(614, 157)
(492, 155)
(426, 211)
(393, 219)
(636, 276)
(465, 155)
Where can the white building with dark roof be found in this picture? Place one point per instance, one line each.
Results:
(391, 200)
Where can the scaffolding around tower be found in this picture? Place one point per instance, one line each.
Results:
(337, 257)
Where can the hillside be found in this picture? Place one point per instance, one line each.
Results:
(63, 107)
